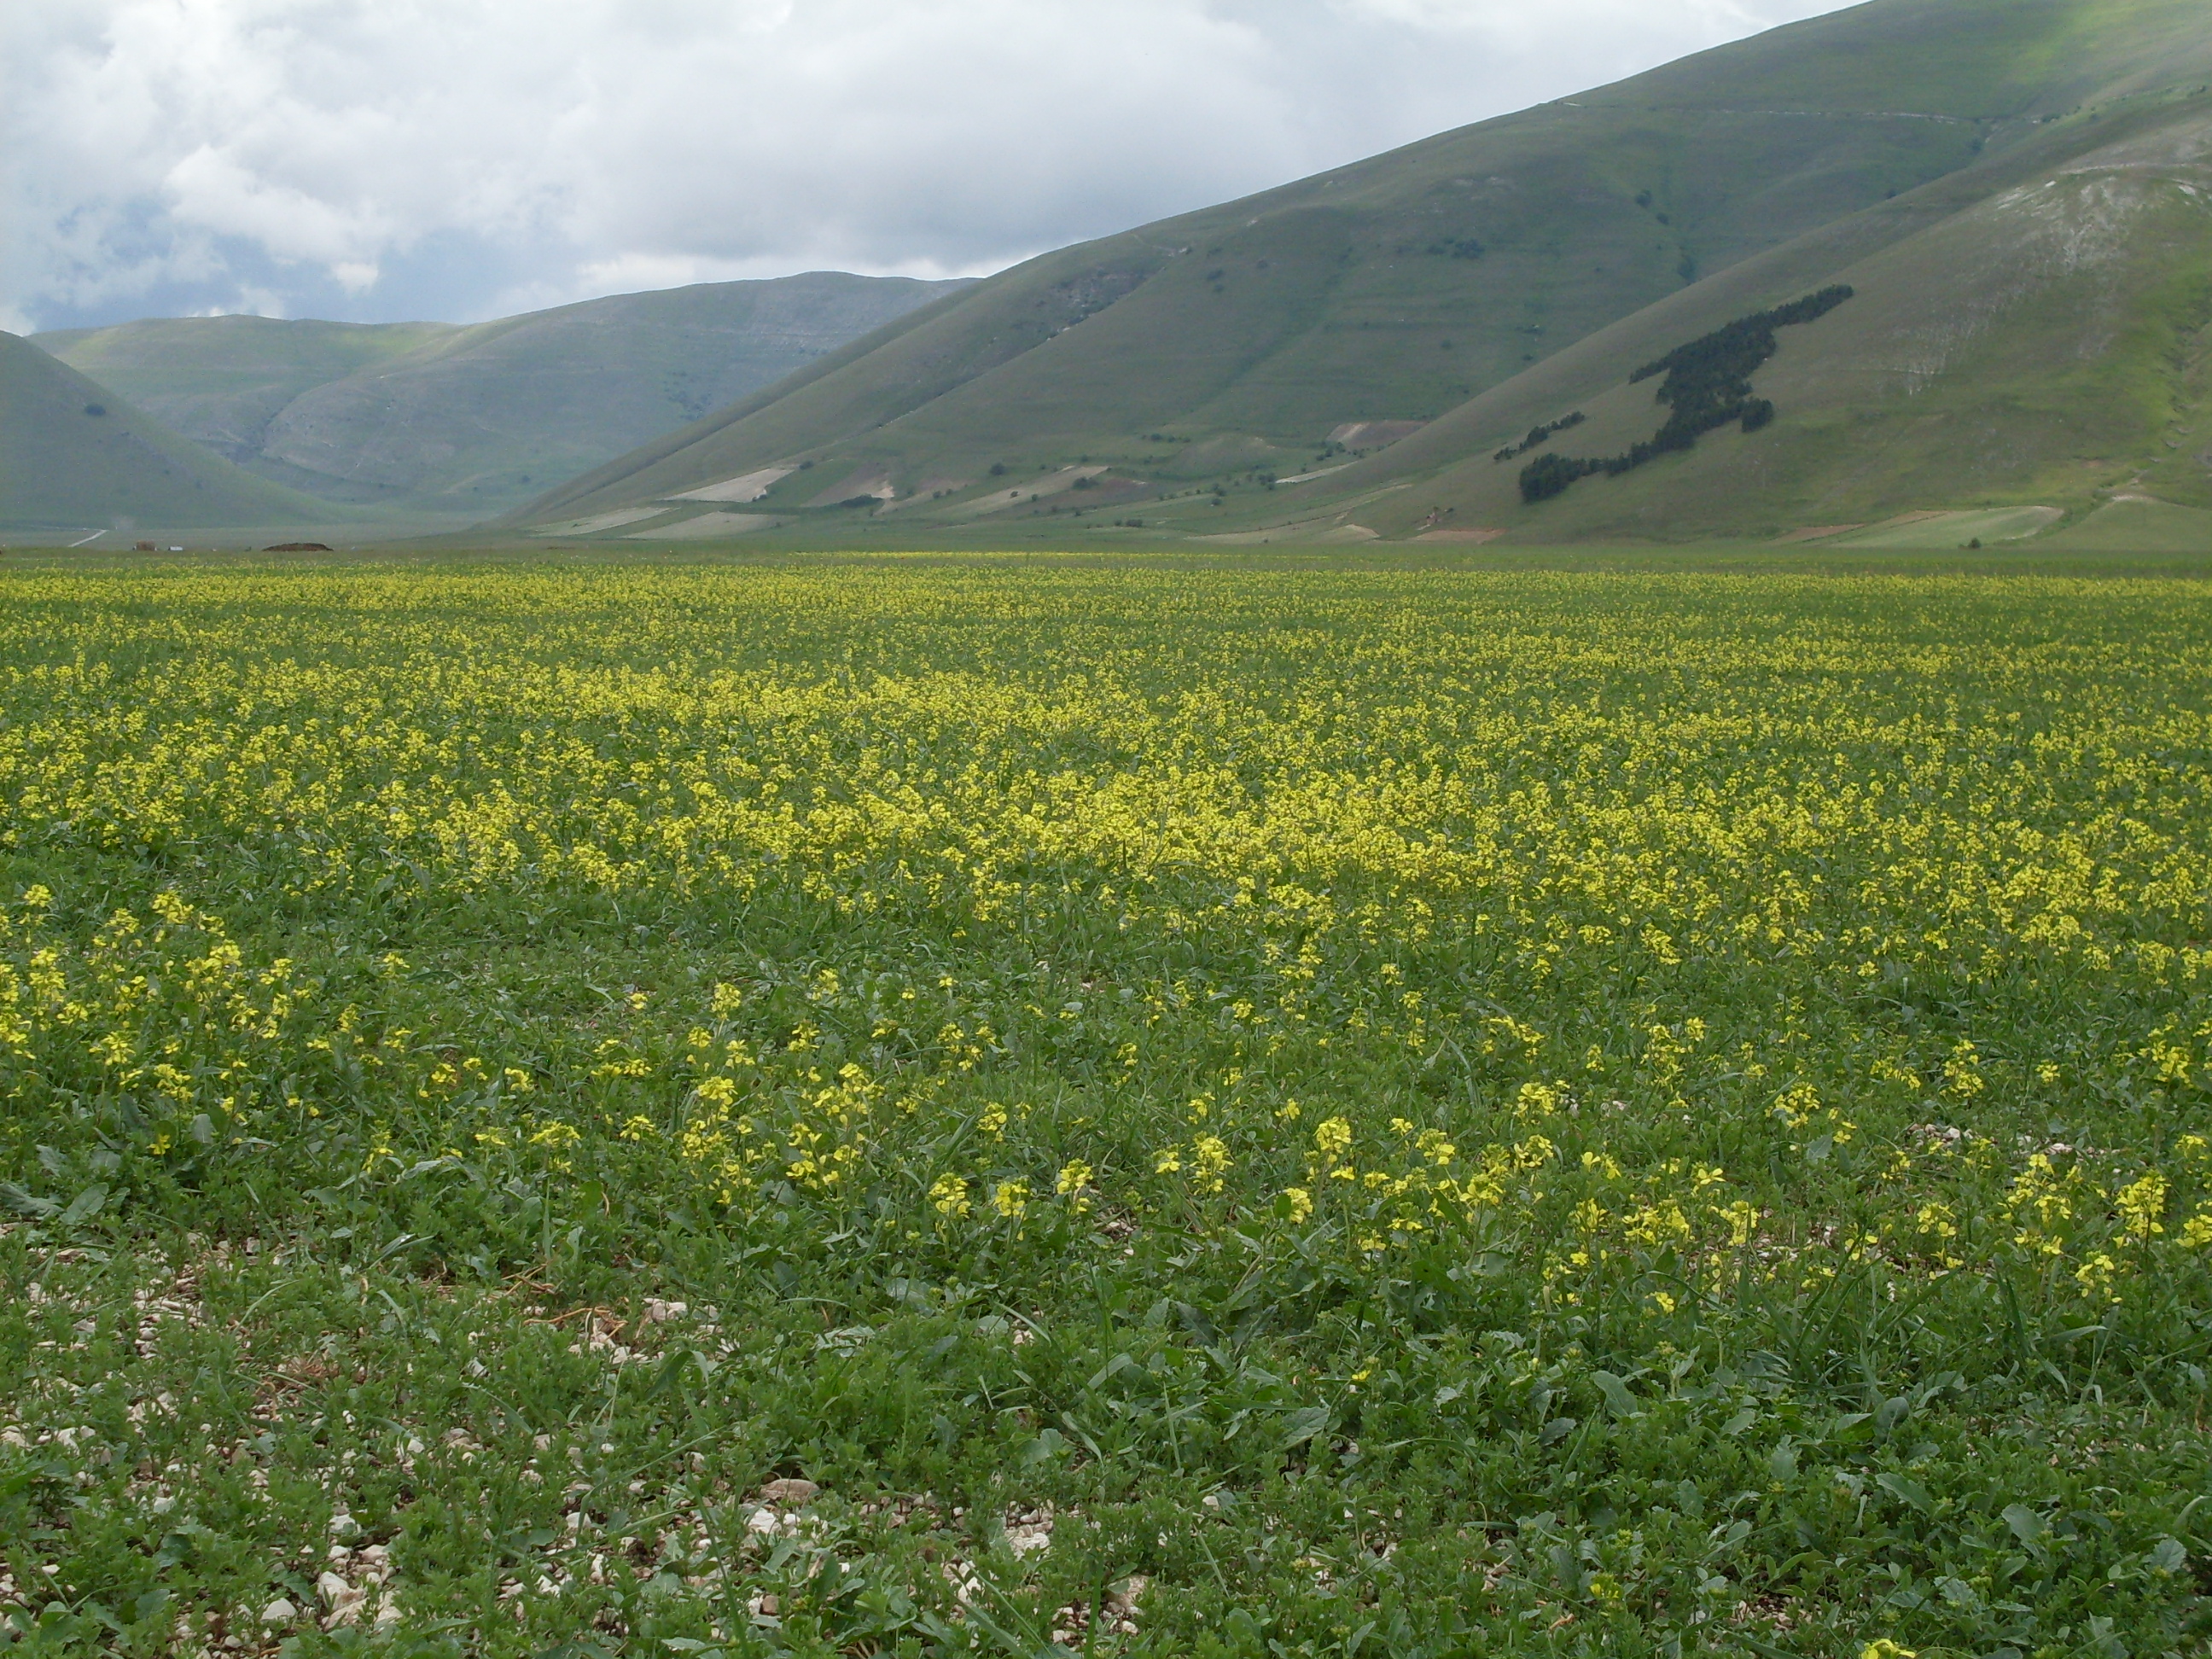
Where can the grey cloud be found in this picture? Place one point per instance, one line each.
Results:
(379, 158)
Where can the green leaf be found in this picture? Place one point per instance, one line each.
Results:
(1303, 1425)
(1959, 1593)
(85, 1206)
(670, 1375)
(1906, 1489)
(2027, 1525)
(28, 1205)
(1618, 1399)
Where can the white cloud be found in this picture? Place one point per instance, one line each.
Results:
(381, 156)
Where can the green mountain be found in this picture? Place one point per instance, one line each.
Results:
(2013, 189)
(223, 382)
(2030, 334)
(440, 418)
(74, 456)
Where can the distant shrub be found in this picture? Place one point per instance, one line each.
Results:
(96, 411)
(1540, 436)
(998, 469)
(1759, 412)
(1550, 475)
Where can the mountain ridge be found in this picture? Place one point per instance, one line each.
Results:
(1219, 348)
(470, 418)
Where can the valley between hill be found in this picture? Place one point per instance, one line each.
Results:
(415, 421)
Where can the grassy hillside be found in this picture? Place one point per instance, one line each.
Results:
(1489, 279)
(472, 419)
(75, 456)
(2040, 344)
(221, 380)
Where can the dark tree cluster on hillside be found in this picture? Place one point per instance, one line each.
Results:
(1466, 248)
(1540, 436)
(1707, 384)
(1550, 475)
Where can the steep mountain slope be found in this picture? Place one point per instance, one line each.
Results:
(2032, 332)
(1252, 340)
(472, 419)
(74, 456)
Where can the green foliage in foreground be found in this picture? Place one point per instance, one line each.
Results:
(1226, 1113)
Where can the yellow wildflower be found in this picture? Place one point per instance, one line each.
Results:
(2142, 1209)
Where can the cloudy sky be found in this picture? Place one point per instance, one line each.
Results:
(376, 160)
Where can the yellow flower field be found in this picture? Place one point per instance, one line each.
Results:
(1694, 1084)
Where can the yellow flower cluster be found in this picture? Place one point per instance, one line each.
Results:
(1605, 925)
(157, 1019)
